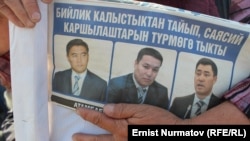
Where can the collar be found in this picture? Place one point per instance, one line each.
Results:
(82, 75)
(206, 99)
(136, 83)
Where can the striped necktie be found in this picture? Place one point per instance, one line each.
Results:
(141, 93)
(76, 90)
(199, 104)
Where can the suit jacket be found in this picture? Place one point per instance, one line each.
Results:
(180, 105)
(93, 87)
(123, 90)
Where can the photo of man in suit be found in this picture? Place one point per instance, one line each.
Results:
(78, 80)
(140, 86)
(203, 98)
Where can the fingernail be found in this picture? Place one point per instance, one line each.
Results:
(109, 108)
(46, 1)
(36, 16)
(78, 110)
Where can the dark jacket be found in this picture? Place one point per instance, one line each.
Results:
(93, 87)
(123, 90)
(180, 105)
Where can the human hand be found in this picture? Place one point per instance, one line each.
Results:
(116, 118)
(23, 13)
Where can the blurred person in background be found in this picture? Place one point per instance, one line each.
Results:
(7, 126)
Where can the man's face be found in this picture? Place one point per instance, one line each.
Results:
(146, 70)
(204, 80)
(78, 58)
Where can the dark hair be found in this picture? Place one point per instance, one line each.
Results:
(149, 51)
(206, 61)
(76, 42)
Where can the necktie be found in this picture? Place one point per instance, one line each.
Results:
(141, 93)
(199, 104)
(76, 90)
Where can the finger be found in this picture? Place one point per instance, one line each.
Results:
(18, 10)
(6, 11)
(121, 111)
(101, 120)
(87, 137)
(32, 9)
(47, 1)
(134, 113)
